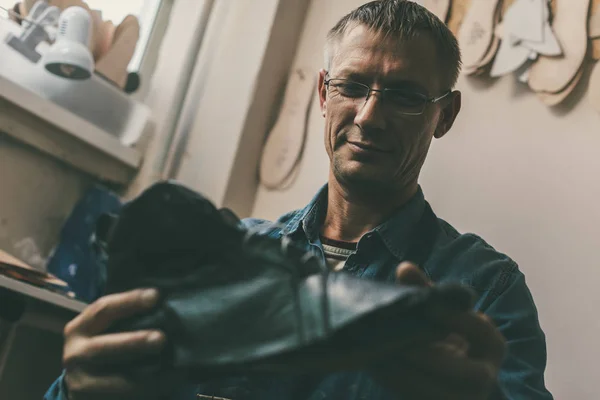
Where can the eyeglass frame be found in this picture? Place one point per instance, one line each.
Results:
(427, 100)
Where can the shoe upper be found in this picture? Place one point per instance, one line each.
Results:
(234, 300)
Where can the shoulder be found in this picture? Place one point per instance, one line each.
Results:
(468, 258)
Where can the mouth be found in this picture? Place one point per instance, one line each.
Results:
(365, 147)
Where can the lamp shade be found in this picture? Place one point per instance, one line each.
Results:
(70, 57)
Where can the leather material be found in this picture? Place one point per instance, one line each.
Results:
(237, 301)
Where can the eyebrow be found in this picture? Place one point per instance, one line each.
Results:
(391, 84)
(407, 84)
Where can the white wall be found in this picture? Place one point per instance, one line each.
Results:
(521, 175)
(253, 45)
(524, 177)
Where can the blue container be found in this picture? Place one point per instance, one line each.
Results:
(76, 259)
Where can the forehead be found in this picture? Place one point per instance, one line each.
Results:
(369, 54)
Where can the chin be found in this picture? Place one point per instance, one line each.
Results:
(362, 177)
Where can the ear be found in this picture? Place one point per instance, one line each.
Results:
(450, 110)
(322, 91)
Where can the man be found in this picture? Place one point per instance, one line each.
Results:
(385, 94)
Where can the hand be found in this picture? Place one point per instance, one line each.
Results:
(101, 366)
(463, 366)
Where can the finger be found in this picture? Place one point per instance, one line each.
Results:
(485, 341)
(415, 384)
(455, 344)
(113, 348)
(408, 273)
(101, 314)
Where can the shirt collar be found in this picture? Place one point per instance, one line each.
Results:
(311, 217)
(394, 233)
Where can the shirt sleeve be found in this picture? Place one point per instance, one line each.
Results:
(515, 314)
(57, 391)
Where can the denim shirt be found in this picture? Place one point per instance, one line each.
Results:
(499, 285)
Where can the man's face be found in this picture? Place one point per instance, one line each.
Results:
(373, 144)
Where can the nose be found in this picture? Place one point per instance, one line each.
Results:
(370, 115)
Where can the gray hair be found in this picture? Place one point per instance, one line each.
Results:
(402, 19)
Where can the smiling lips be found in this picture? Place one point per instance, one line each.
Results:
(365, 147)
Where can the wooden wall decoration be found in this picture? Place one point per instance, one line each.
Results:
(594, 34)
(476, 36)
(547, 44)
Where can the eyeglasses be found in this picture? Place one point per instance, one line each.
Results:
(402, 101)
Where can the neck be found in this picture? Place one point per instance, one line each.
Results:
(350, 214)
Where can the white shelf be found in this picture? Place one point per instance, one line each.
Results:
(54, 130)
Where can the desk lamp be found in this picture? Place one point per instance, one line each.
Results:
(69, 57)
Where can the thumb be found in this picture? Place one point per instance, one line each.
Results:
(408, 273)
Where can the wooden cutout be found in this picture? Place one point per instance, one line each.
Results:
(289, 182)
(11, 266)
(553, 74)
(285, 143)
(113, 65)
(527, 19)
(594, 21)
(107, 34)
(471, 71)
(553, 99)
(458, 10)
(594, 29)
(477, 31)
(475, 71)
(548, 45)
(524, 76)
(505, 6)
(25, 9)
(495, 45)
(594, 88)
(438, 7)
(596, 49)
(62, 4)
(492, 52)
(553, 10)
(8, 259)
(510, 57)
(26, 6)
(499, 30)
(96, 34)
(481, 67)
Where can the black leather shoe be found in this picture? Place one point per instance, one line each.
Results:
(234, 301)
